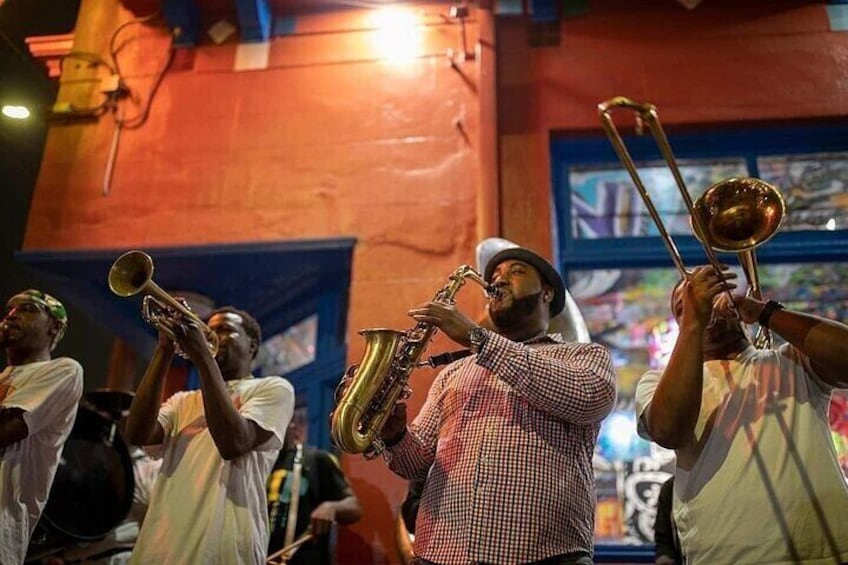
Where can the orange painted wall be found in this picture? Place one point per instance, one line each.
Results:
(726, 60)
(330, 140)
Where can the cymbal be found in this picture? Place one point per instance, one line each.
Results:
(115, 402)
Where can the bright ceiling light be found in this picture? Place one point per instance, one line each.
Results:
(15, 112)
(398, 34)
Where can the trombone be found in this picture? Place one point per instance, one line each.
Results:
(735, 215)
(131, 274)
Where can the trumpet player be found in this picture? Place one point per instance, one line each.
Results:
(757, 480)
(218, 444)
(506, 436)
(39, 396)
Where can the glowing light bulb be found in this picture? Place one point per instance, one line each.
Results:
(15, 112)
(398, 34)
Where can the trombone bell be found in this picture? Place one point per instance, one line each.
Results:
(740, 214)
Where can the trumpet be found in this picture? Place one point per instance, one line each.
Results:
(735, 215)
(131, 274)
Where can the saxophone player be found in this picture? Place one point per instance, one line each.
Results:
(506, 436)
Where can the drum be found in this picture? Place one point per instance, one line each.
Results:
(93, 489)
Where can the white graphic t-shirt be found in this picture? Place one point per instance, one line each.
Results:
(205, 509)
(765, 485)
(48, 392)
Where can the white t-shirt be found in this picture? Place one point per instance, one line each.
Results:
(766, 486)
(48, 392)
(205, 509)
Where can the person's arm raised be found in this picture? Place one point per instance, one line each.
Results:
(823, 341)
(233, 434)
(673, 412)
(142, 426)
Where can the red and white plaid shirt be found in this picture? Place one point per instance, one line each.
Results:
(507, 438)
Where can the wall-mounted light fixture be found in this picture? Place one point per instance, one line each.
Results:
(398, 33)
(15, 111)
(460, 13)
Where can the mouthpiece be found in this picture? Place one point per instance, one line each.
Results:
(493, 292)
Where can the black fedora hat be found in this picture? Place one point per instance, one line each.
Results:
(545, 269)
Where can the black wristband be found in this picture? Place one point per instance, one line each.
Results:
(768, 310)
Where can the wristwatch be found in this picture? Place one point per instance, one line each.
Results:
(769, 308)
(476, 337)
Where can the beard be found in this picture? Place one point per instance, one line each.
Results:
(517, 312)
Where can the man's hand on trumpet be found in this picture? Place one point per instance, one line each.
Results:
(187, 335)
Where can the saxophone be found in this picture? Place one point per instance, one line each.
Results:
(368, 392)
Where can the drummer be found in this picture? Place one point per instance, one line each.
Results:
(117, 545)
(38, 404)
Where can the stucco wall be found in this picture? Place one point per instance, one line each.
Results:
(722, 62)
(330, 140)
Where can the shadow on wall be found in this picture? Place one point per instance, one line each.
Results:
(379, 546)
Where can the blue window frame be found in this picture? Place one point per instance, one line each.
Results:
(750, 144)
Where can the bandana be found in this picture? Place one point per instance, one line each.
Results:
(55, 308)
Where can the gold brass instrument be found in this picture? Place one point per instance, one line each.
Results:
(131, 274)
(367, 393)
(734, 215)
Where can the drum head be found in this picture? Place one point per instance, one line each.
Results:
(115, 403)
(93, 489)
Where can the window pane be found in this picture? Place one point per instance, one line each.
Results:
(289, 350)
(628, 311)
(605, 203)
(814, 187)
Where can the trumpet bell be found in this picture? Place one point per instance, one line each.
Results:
(739, 214)
(130, 273)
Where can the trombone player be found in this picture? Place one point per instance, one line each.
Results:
(756, 479)
(218, 443)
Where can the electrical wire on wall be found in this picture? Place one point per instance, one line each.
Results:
(140, 118)
(122, 93)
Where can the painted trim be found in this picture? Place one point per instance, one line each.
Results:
(748, 142)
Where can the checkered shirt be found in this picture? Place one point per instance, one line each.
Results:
(507, 438)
